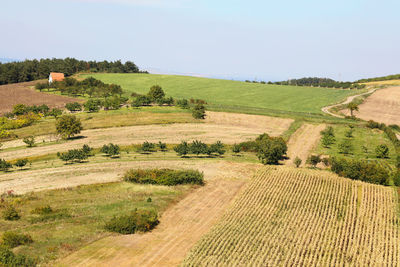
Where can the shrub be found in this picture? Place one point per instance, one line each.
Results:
(182, 103)
(396, 178)
(156, 93)
(13, 239)
(8, 258)
(198, 147)
(382, 151)
(138, 221)
(11, 214)
(42, 210)
(4, 165)
(93, 105)
(182, 149)
(314, 160)
(162, 146)
(29, 141)
(346, 147)
(164, 177)
(110, 150)
(360, 170)
(236, 149)
(199, 111)
(75, 106)
(297, 161)
(216, 148)
(68, 125)
(21, 163)
(349, 133)
(147, 147)
(75, 155)
(55, 112)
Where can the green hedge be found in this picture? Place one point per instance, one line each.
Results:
(164, 176)
(138, 221)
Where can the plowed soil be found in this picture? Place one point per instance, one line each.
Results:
(21, 93)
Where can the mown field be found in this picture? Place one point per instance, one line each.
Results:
(231, 95)
(291, 217)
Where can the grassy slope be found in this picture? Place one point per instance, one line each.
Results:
(82, 213)
(362, 137)
(228, 94)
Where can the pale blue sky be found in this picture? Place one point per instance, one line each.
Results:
(270, 40)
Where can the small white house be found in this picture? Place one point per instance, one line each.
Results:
(56, 77)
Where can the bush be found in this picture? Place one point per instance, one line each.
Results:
(29, 141)
(236, 149)
(270, 150)
(314, 160)
(73, 155)
(110, 150)
(162, 146)
(297, 161)
(93, 105)
(199, 111)
(75, 106)
(147, 147)
(4, 165)
(42, 210)
(11, 214)
(55, 112)
(182, 103)
(396, 178)
(13, 239)
(8, 258)
(382, 151)
(164, 177)
(182, 149)
(346, 147)
(138, 221)
(156, 93)
(21, 163)
(360, 170)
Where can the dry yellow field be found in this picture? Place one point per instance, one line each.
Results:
(292, 217)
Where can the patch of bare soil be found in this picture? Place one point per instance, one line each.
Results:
(228, 129)
(182, 225)
(303, 141)
(21, 93)
(382, 106)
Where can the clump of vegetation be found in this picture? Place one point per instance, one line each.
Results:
(382, 151)
(313, 160)
(29, 141)
(328, 137)
(147, 147)
(236, 149)
(137, 221)
(12, 239)
(199, 111)
(73, 107)
(93, 105)
(75, 155)
(198, 147)
(360, 170)
(42, 210)
(182, 103)
(10, 213)
(5, 165)
(8, 258)
(297, 161)
(162, 146)
(346, 147)
(21, 163)
(270, 150)
(111, 150)
(68, 125)
(164, 177)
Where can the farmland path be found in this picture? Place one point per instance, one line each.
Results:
(347, 101)
(180, 228)
(303, 141)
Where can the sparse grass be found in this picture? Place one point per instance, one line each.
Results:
(79, 214)
(114, 118)
(362, 136)
(221, 94)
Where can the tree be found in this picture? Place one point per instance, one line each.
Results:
(197, 147)
(55, 112)
(75, 106)
(314, 160)
(29, 141)
(92, 105)
(156, 93)
(270, 150)
(297, 161)
(352, 107)
(217, 148)
(182, 149)
(147, 147)
(199, 111)
(4, 165)
(110, 150)
(21, 163)
(346, 147)
(68, 125)
(182, 103)
(349, 133)
(382, 151)
(327, 140)
(162, 146)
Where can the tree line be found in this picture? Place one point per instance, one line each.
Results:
(321, 82)
(30, 70)
(383, 78)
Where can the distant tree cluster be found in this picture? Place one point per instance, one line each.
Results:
(75, 155)
(156, 95)
(321, 82)
(378, 79)
(30, 70)
(197, 148)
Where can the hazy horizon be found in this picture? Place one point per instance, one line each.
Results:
(260, 40)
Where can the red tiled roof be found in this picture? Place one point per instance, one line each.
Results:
(57, 76)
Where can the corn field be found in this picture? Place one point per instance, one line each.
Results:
(292, 217)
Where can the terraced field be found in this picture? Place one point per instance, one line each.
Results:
(288, 217)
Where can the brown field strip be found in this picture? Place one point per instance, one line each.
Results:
(382, 106)
(21, 93)
(180, 228)
(303, 141)
(301, 217)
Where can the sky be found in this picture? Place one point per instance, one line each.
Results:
(252, 39)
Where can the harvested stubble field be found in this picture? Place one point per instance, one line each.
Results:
(21, 93)
(226, 127)
(291, 217)
(382, 106)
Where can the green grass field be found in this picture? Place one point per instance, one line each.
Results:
(232, 95)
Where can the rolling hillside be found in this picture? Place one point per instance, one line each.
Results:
(233, 95)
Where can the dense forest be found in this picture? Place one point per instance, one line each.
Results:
(30, 70)
(384, 78)
(321, 82)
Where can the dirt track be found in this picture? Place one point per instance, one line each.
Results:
(20, 93)
(381, 106)
(181, 225)
(303, 141)
(223, 127)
